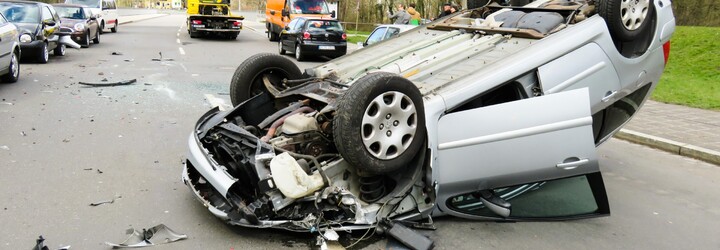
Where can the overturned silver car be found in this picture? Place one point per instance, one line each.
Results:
(492, 113)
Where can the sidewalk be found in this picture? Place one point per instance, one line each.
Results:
(677, 129)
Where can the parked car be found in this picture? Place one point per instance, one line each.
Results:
(386, 31)
(9, 51)
(36, 23)
(493, 113)
(104, 10)
(318, 37)
(83, 23)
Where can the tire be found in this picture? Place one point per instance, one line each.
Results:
(272, 36)
(44, 55)
(59, 50)
(247, 79)
(114, 28)
(96, 40)
(298, 53)
(86, 43)
(371, 147)
(13, 69)
(102, 27)
(633, 24)
(193, 34)
(281, 51)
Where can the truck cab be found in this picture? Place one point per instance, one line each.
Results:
(278, 13)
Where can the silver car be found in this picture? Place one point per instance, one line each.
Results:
(9, 51)
(493, 113)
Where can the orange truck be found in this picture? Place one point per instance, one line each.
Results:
(278, 13)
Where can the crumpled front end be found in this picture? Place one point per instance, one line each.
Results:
(262, 167)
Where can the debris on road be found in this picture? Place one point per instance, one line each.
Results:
(23, 133)
(40, 245)
(99, 171)
(129, 60)
(161, 58)
(7, 103)
(95, 204)
(88, 169)
(156, 235)
(116, 53)
(108, 84)
(4, 147)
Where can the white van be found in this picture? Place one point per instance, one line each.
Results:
(105, 10)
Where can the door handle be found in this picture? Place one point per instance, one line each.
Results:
(572, 163)
(609, 95)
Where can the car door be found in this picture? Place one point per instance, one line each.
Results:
(7, 35)
(489, 156)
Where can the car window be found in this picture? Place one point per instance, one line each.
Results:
(392, 32)
(70, 12)
(87, 12)
(314, 25)
(3, 21)
(88, 3)
(299, 25)
(108, 4)
(20, 13)
(47, 15)
(377, 35)
(292, 24)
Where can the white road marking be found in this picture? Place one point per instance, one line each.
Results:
(182, 51)
(216, 102)
(178, 40)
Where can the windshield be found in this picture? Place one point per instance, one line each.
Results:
(70, 12)
(88, 3)
(20, 13)
(309, 7)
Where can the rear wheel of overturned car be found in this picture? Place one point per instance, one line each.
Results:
(248, 78)
(380, 123)
(627, 20)
(44, 54)
(13, 69)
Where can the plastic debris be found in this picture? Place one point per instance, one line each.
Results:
(40, 245)
(108, 84)
(156, 235)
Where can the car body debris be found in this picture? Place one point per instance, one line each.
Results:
(40, 245)
(156, 235)
(117, 53)
(95, 204)
(108, 84)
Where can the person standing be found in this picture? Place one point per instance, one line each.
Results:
(415, 17)
(401, 16)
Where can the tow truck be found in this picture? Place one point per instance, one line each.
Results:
(206, 17)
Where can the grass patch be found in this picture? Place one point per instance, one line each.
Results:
(355, 36)
(692, 76)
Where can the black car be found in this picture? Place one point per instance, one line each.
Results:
(84, 24)
(36, 24)
(305, 36)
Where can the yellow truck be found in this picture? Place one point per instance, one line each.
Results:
(206, 17)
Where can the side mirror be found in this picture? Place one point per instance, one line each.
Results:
(285, 12)
(332, 14)
(272, 12)
(49, 23)
(93, 18)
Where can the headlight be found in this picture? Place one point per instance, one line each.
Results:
(79, 27)
(25, 38)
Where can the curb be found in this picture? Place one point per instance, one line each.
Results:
(679, 148)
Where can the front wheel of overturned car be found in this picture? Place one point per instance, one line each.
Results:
(248, 78)
(380, 123)
(13, 69)
(627, 20)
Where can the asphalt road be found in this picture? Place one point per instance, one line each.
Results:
(64, 146)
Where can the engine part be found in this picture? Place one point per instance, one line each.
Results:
(299, 123)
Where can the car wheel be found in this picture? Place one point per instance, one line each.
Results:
(247, 81)
(280, 48)
(102, 27)
(114, 28)
(96, 40)
(86, 42)
(193, 34)
(13, 69)
(380, 123)
(59, 50)
(298, 53)
(44, 54)
(627, 19)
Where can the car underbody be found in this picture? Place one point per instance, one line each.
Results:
(313, 152)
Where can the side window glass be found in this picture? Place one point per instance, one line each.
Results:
(87, 13)
(300, 24)
(392, 32)
(292, 23)
(112, 5)
(376, 36)
(46, 14)
(104, 4)
(3, 21)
